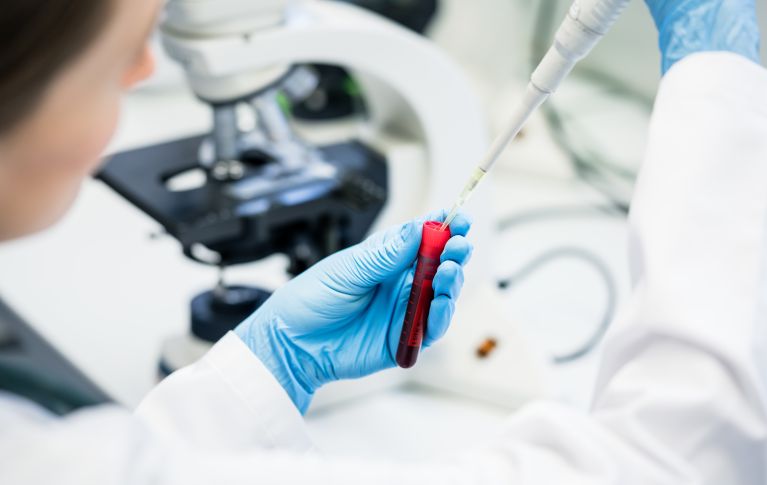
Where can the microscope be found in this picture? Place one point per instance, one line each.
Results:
(255, 185)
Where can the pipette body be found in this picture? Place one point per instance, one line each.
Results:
(587, 21)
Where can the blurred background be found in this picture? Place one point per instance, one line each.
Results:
(111, 288)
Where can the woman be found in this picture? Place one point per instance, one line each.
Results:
(681, 395)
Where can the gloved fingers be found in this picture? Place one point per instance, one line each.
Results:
(376, 259)
(447, 285)
(449, 280)
(457, 249)
(440, 315)
(460, 225)
(384, 254)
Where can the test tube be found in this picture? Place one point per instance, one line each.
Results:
(433, 241)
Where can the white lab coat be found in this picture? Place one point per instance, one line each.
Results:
(680, 399)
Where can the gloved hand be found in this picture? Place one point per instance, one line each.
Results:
(690, 26)
(343, 316)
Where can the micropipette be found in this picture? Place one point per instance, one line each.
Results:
(586, 23)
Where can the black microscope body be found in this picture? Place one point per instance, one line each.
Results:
(306, 215)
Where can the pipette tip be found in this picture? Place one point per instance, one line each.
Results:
(450, 217)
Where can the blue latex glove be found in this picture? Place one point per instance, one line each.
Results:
(343, 316)
(690, 26)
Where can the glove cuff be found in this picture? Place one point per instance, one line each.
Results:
(707, 28)
(263, 338)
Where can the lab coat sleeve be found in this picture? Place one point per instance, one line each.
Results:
(684, 372)
(681, 394)
(228, 400)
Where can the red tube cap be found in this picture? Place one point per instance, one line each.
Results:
(433, 239)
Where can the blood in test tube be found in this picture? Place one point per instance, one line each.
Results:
(433, 241)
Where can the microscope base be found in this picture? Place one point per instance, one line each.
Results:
(213, 314)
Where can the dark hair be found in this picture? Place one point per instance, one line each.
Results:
(38, 38)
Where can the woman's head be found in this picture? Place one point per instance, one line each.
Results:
(64, 65)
